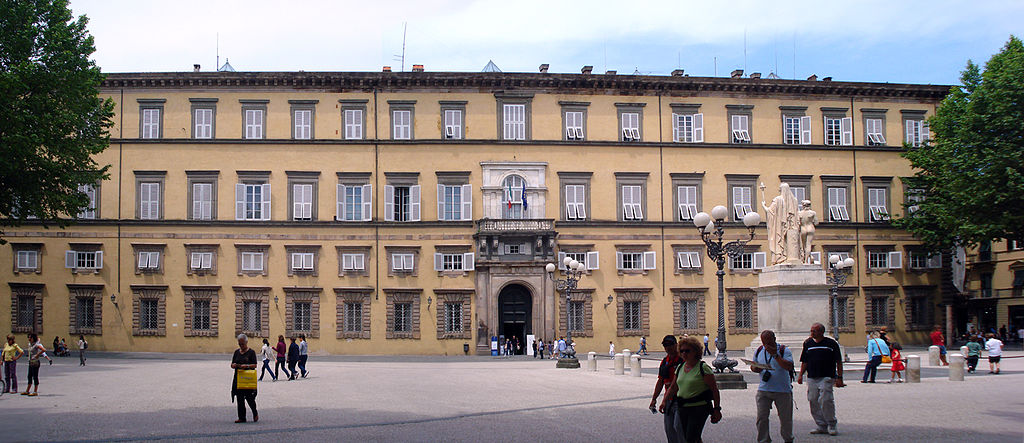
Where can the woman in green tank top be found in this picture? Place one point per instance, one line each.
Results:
(695, 391)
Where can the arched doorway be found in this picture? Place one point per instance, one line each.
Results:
(515, 306)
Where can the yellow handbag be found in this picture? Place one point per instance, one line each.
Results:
(886, 359)
(246, 379)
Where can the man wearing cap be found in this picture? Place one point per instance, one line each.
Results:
(667, 376)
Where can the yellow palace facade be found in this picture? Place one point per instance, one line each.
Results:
(413, 213)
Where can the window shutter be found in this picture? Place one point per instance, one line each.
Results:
(438, 261)
(895, 259)
(695, 260)
(297, 199)
(759, 260)
(846, 125)
(561, 260)
(265, 204)
(925, 133)
(239, 201)
(99, 260)
(467, 202)
(468, 262)
(367, 202)
(570, 203)
(296, 261)
(440, 202)
(618, 260)
(638, 209)
(627, 200)
(805, 130)
(593, 260)
(698, 128)
(359, 262)
(908, 131)
(935, 261)
(581, 203)
(389, 203)
(341, 203)
(197, 201)
(70, 259)
(414, 203)
(650, 260)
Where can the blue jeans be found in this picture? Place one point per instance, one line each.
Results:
(302, 364)
(266, 368)
(281, 367)
(871, 368)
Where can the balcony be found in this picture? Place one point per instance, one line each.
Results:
(501, 226)
(981, 294)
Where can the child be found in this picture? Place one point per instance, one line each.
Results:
(897, 363)
(973, 354)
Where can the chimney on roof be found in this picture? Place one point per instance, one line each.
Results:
(417, 68)
(755, 75)
(677, 73)
(611, 72)
(812, 78)
(827, 79)
(387, 69)
(737, 73)
(544, 68)
(195, 67)
(587, 70)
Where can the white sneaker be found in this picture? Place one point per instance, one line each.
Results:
(832, 430)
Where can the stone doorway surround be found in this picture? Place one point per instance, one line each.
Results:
(491, 280)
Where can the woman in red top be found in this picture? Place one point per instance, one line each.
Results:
(282, 350)
(897, 363)
(666, 377)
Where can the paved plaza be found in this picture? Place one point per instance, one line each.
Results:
(470, 399)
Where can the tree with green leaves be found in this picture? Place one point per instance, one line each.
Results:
(52, 120)
(969, 179)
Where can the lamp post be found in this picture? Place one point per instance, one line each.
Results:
(573, 272)
(838, 271)
(711, 232)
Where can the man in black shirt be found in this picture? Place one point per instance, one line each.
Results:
(822, 360)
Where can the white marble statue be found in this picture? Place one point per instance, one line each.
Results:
(783, 226)
(808, 218)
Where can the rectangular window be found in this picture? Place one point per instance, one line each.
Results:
(741, 197)
(452, 262)
(578, 256)
(918, 260)
(301, 316)
(631, 320)
(792, 131)
(631, 260)
(353, 262)
(251, 320)
(841, 315)
(151, 123)
(252, 261)
(451, 202)
(83, 259)
(354, 202)
(878, 260)
(513, 249)
(402, 124)
(688, 260)
(838, 131)
(202, 201)
(842, 256)
(741, 129)
(688, 314)
(879, 310)
(402, 262)
(877, 204)
(149, 314)
(574, 125)
(353, 124)
(149, 260)
(28, 260)
(353, 317)
(149, 201)
(402, 203)
(89, 212)
(253, 124)
(252, 201)
(874, 131)
(575, 202)
(630, 126)
(576, 316)
(744, 313)
(303, 119)
(26, 311)
(302, 261)
(403, 317)
(748, 261)
(203, 123)
(514, 119)
(86, 312)
(201, 261)
(201, 314)
(837, 208)
(453, 317)
(916, 132)
(453, 124)
(632, 202)
(799, 192)
(302, 201)
(687, 197)
(688, 128)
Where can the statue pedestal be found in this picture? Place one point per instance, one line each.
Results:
(790, 298)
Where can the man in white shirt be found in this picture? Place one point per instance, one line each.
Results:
(611, 349)
(995, 352)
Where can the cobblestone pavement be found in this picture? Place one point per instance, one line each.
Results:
(472, 399)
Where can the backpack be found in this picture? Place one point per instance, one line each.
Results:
(782, 351)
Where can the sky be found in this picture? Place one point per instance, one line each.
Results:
(893, 41)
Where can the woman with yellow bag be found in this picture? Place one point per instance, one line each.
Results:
(243, 385)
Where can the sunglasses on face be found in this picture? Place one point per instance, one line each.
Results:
(685, 351)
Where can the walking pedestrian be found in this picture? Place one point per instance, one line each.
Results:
(611, 349)
(244, 359)
(707, 350)
(940, 341)
(303, 355)
(995, 353)
(695, 391)
(775, 387)
(822, 361)
(293, 359)
(561, 347)
(533, 344)
(551, 349)
(540, 348)
(973, 354)
(82, 346)
(282, 350)
(268, 355)
(876, 349)
(897, 363)
(666, 377)
(643, 346)
(12, 352)
(35, 350)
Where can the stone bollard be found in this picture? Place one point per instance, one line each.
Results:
(626, 353)
(592, 361)
(933, 355)
(620, 367)
(956, 367)
(913, 369)
(634, 366)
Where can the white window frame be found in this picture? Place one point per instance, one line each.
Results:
(877, 203)
(365, 205)
(916, 132)
(353, 124)
(689, 259)
(149, 200)
(254, 119)
(251, 261)
(842, 256)
(89, 213)
(686, 195)
(575, 202)
(740, 128)
(632, 202)
(514, 121)
(403, 261)
(401, 124)
(303, 124)
(353, 261)
(874, 131)
(574, 125)
(149, 260)
(638, 260)
(201, 261)
(302, 201)
(451, 262)
(838, 131)
(756, 259)
(202, 201)
(151, 123)
(453, 124)
(247, 206)
(447, 207)
(75, 259)
(27, 260)
(302, 261)
(203, 123)
(688, 128)
(741, 201)
(414, 203)
(630, 126)
(837, 207)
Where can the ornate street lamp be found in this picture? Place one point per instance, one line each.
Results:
(711, 232)
(574, 270)
(838, 271)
